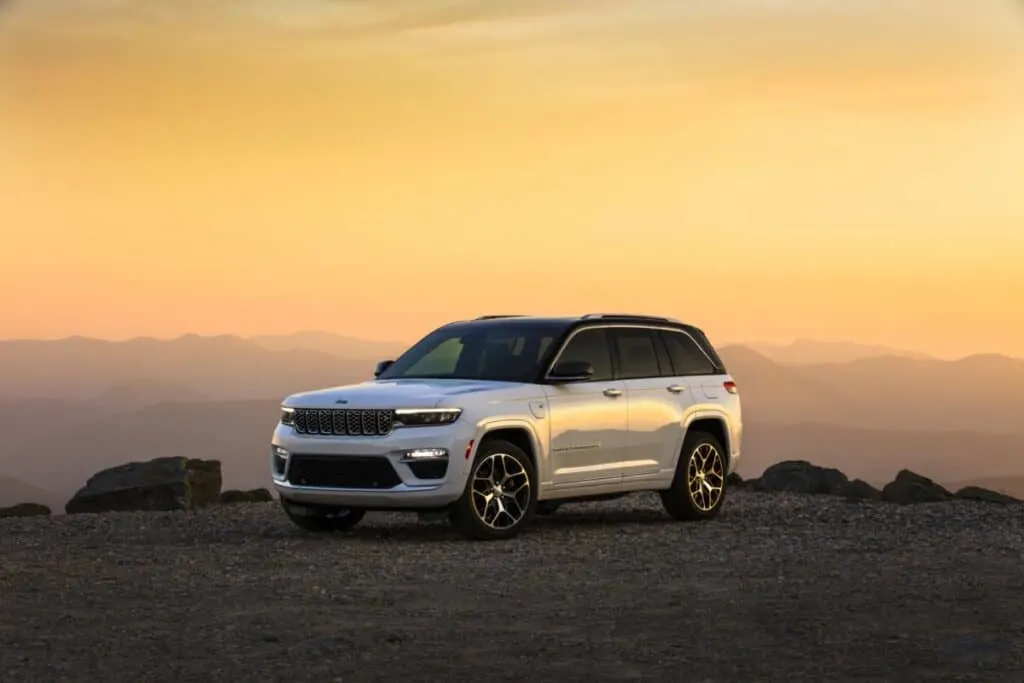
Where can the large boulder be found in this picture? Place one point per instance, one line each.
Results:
(25, 510)
(973, 493)
(909, 488)
(160, 484)
(800, 476)
(260, 495)
(858, 489)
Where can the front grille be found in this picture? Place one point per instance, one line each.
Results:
(344, 421)
(342, 471)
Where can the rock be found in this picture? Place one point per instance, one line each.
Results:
(858, 489)
(909, 488)
(800, 476)
(25, 510)
(968, 493)
(160, 484)
(251, 496)
(733, 480)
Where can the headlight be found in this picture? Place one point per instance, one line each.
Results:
(287, 416)
(426, 417)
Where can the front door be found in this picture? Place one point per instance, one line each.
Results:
(588, 420)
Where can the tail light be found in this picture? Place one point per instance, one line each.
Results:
(730, 386)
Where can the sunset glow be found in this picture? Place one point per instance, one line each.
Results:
(765, 170)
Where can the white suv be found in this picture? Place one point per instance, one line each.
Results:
(493, 420)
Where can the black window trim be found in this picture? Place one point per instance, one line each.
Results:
(545, 377)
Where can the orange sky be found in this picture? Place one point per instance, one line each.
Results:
(766, 170)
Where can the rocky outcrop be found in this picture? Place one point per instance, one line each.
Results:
(985, 495)
(25, 510)
(260, 495)
(858, 489)
(161, 484)
(909, 487)
(800, 476)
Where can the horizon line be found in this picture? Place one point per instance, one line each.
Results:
(895, 351)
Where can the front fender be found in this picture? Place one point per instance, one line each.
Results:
(539, 445)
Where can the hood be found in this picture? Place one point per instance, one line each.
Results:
(397, 393)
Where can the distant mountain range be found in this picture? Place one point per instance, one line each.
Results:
(326, 342)
(70, 407)
(810, 351)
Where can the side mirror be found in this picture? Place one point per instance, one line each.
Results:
(571, 371)
(382, 366)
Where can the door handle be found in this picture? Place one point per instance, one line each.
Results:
(676, 388)
(612, 393)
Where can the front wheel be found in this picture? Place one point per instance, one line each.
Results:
(323, 520)
(500, 496)
(698, 488)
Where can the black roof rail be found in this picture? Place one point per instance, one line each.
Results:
(628, 316)
(492, 317)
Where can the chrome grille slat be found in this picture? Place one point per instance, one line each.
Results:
(344, 421)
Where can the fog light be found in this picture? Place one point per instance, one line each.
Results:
(279, 456)
(425, 454)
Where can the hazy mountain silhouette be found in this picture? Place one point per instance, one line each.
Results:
(235, 432)
(875, 455)
(238, 434)
(327, 342)
(221, 367)
(14, 491)
(809, 351)
(72, 406)
(977, 393)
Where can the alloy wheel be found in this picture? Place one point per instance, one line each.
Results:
(501, 491)
(705, 477)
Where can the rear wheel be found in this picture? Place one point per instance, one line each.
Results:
(698, 488)
(323, 519)
(500, 496)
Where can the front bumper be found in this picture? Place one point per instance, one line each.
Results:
(410, 493)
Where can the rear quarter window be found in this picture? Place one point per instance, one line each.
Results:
(687, 357)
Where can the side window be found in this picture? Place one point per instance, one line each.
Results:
(590, 346)
(687, 358)
(442, 360)
(636, 353)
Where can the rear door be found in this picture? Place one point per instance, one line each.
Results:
(693, 366)
(657, 402)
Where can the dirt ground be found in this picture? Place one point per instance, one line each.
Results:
(778, 588)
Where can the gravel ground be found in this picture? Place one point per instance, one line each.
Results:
(778, 588)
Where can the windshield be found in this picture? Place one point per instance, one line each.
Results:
(497, 351)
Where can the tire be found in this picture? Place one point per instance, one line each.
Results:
(480, 518)
(699, 485)
(323, 520)
(546, 507)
